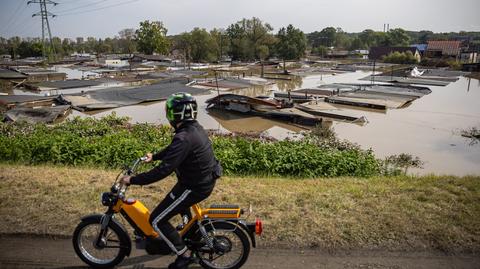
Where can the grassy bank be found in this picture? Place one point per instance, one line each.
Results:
(399, 213)
(110, 142)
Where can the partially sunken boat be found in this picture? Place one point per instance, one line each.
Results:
(262, 107)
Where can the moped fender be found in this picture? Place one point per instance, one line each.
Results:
(240, 223)
(99, 217)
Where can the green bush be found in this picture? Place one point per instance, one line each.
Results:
(400, 58)
(111, 142)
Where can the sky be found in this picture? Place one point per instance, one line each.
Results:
(105, 18)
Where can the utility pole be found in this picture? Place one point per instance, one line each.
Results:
(50, 53)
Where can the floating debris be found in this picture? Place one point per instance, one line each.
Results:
(36, 115)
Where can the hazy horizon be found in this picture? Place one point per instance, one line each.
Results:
(105, 18)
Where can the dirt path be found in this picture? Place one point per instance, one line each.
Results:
(23, 252)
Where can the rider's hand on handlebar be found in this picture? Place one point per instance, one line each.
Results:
(149, 157)
(125, 180)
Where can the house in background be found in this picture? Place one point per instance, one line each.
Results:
(443, 49)
(363, 54)
(376, 53)
(422, 48)
(337, 54)
(138, 58)
(470, 54)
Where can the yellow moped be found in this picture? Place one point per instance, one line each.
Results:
(217, 236)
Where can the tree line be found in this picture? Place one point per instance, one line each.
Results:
(245, 40)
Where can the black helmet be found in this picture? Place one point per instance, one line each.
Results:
(181, 107)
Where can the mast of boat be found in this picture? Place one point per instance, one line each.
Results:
(216, 82)
(373, 72)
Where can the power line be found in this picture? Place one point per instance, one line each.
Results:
(12, 18)
(100, 8)
(26, 25)
(19, 21)
(87, 5)
(69, 1)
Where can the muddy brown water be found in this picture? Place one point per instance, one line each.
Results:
(429, 128)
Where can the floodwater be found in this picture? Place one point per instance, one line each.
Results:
(429, 128)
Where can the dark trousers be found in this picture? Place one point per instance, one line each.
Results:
(178, 201)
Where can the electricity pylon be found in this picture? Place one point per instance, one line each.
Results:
(50, 53)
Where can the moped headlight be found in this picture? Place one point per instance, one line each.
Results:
(106, 199)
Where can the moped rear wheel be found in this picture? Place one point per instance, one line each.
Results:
(231, 247)
(114, 247)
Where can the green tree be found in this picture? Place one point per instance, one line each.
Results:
(102, 47)
(236, 35)
(398, 37)
(258, 33)
(90, 44)
(3, 45)
(342, 40)
(152, 37)
(111, 45)
(328, 36)
(67, 46)
(183, 43)
(57, 45)
(247, 36)
(291, 44)
(127, 41)
(203, 47)
(356, 44)
(13, 44)
(368, 38)
(221, 42)
(30, 49)
(320, 50)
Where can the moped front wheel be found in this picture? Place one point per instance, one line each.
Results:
(111, 251)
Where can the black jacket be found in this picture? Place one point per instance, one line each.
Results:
(190, 155)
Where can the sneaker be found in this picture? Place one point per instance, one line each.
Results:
(181, 263)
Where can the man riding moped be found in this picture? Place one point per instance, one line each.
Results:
(191, 156)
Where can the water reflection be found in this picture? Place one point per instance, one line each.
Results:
(236, 122)
(289, 85)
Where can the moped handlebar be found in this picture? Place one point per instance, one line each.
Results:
(132, 169)
(118, 185)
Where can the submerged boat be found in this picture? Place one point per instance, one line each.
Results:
(262, 107)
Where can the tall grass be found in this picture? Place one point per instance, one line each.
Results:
(110, 142)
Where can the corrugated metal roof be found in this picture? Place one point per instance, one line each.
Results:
(448, 47)
(9, 74)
